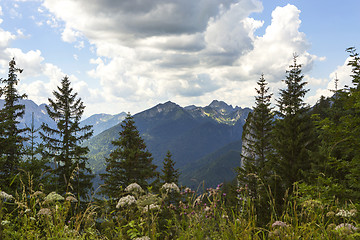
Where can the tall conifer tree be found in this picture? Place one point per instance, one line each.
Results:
(294, 134)
(11, 137)
(130, 161)
(256, 149)
(63, 143)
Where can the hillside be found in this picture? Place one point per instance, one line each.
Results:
(189, 133)
(102, 121)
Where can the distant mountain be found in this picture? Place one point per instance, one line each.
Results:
(40, 114)
(102, 121)
(189, 133)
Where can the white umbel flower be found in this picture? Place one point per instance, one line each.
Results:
(5, 196)
(53, 196)
(151, 207)
(170, 187)
(346, 213)
(127, 200)
(142, 238)
(346, 226)
(134, 187)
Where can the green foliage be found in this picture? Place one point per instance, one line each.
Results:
(340, 135)
(169, 173)
(129, 162)
(254, 171)
(63, 143)
(293, 133)
(11, 137)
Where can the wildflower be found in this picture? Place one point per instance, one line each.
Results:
(170, 187)
(128, 200)
(5, 196)
(330, 214)
(346, 226)
(142, 238)
(345, 213)
(53, 196)
(44, 211)
(71, 199)
(151, 207)
(5, 222)
(206, 209)
(279, 223)
(134, 187)
(312, 203)
(353, 212)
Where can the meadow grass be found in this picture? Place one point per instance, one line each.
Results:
(171, 214)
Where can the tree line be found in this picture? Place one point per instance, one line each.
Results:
(295, 146)
(59, 163)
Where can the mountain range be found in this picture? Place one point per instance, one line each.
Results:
(100, 122)
(205, 142)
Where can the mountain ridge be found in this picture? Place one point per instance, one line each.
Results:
(189, 133)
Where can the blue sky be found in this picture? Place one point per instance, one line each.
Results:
(129, 56)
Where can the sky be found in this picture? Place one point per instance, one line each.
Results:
(130, 55)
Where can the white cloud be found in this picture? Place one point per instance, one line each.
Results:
(273, 52)
(69, 35)
(342, 73)
(198, 50)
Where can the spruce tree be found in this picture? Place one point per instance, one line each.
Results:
(63, 143)
(129, 162)
(11, 136)
(256, 149)
(169, 173)
(293, 133)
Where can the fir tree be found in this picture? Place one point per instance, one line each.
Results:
(130, 161)
(256, 149)
(11, 137)
(169, 173)
(63, 143)
(293, 133)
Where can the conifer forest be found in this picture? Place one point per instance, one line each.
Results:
(299, 175)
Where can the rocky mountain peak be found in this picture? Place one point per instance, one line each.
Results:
(221, 107)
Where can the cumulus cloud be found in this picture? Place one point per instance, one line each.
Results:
(181, 50)
(342, 74)
(274, 51)
(69, 35)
